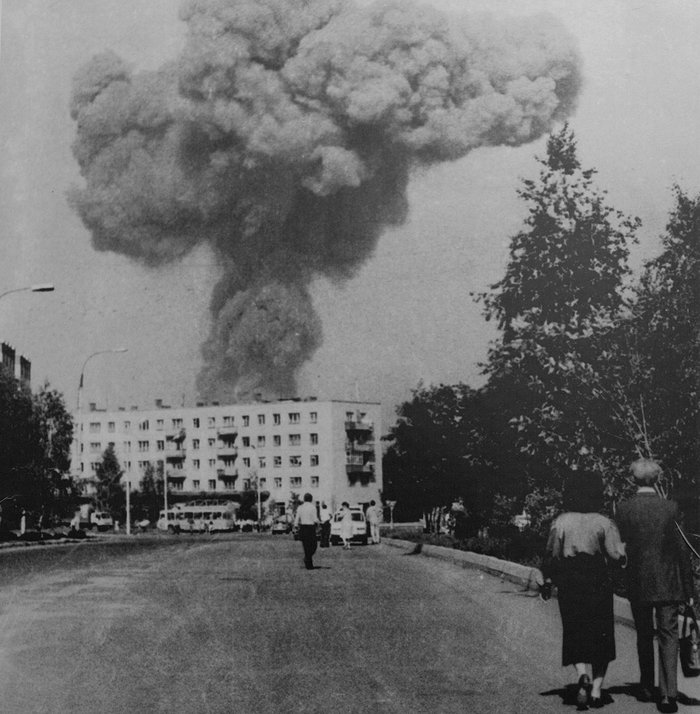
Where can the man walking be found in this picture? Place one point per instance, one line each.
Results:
(373, 518)
(306, 521)
(659, 579)
(326, 517)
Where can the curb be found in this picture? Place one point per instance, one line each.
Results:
(524, 575)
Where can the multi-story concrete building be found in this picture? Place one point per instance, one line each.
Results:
(328, 448)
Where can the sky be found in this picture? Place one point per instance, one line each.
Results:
(406, 316)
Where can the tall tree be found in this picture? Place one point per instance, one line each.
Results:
(110, 493)
(558, 303)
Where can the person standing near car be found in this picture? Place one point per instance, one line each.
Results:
(659, 578)
(373, 516)
(326, 517)
(346, 524)
(306, 521)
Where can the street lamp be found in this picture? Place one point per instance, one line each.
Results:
(39, 288)
(79, 442)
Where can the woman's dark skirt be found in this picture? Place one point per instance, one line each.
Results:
(586, 605)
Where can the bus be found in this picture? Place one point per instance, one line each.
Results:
(198, 517)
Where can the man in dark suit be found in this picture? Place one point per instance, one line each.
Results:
(659, 578)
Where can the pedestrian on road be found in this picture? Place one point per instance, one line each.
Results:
(373, 516)
(346, 524)
(326, 517)
(306, 521)
(659, 578)
(581, 544)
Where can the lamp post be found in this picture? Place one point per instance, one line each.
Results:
(79, 442)
(128, 505)
(39, 288)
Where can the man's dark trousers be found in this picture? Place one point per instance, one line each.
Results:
(325, 534)
(308, 540)
(667, 630)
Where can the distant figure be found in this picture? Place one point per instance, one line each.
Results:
(581, 543)
(326, 517)
(306, 521)
(459, 514)
(659, 578)
(346, 524)
(373, 518)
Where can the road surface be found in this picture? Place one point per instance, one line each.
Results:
(219, 624)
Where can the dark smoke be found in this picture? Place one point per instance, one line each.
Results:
(284, 137)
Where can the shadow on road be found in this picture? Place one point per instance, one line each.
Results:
(568, 694)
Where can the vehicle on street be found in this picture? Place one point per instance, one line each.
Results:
(198, 517)
(359, 526)
(101, 520)
(281, 526)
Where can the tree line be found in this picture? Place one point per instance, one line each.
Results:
(592, 367)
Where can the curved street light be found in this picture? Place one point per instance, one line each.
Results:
(79, 443)
(39, 288)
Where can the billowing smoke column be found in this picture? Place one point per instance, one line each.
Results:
(284, 136)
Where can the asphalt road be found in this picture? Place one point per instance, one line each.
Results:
(236, 624)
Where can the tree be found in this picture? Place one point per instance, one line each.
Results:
(558, 307)
(110, 494)
(148, 500)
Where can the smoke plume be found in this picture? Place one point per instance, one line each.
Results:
(284, 137)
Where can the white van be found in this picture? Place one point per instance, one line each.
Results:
(359, 526)
(101, 520)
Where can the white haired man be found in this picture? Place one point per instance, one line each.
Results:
(659, 578)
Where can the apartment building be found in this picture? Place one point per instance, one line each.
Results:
(330, 449)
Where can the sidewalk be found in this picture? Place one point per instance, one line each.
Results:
(529, 578)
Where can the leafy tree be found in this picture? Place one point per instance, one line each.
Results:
(110, 493)
(558, 306)
(148, 500)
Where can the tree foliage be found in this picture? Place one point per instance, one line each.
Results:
(110, 494)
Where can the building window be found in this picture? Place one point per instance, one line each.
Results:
(295, 460)
(211, 422)
(195, 423)
(143, 465)
(277, 462)
(314, 482)
(160, 425)
(277, 440)
(263, 482)
(295, 481)
(195, 444)
(127, 465)
(160, 445)
(276, 419)
(261, 441)
(246, 420)
(212, 484)
(262, 463)
(143, 445)
(313, 438)
(293, 417)
(111, 426)
(246, 441)
(294, 439)
(127, 426)
(349, 416)
(95, 427)
(143, 425)
(246, 462)
(228, 421)
(313, 417)
(195, 484)
(211, 443)
(278, 481)
(95, 446)
(127, 446)
(314, 459)
(177, 423)
(212, 463)
(261, 420)
(195, 463)
(178, 486)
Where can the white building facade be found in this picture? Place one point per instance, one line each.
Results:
(330, 449)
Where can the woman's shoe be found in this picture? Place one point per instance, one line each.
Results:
(584, 690)
(596, 702)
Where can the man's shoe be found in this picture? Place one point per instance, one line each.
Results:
(667, 705)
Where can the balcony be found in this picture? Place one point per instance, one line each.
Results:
(224, 451)
(227, 473)
(229, 433)
(176, 435)
(365, 447)
(359, 426)
(175, 455)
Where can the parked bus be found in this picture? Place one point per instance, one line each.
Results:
(198, 517)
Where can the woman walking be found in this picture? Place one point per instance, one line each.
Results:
(346, 525)
(581, 544)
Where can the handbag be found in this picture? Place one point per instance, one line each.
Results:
(690, 644)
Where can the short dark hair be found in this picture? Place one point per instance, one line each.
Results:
(308, 497)
(583, 492)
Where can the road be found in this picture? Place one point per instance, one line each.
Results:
(236, 624)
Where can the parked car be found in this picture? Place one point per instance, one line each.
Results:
(359, 526)
(281, 526)
(101, 520)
